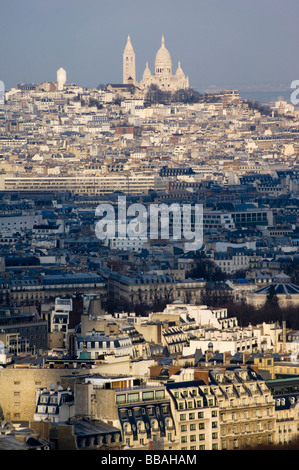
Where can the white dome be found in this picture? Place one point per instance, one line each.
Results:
(179, 72)
(163, 59)
(147, 72)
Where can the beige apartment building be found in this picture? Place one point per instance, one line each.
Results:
(220, 408)
(151, 288)
(47, 287)
(246, 410)
(18, 388)
(142, 412)
(88, 185)
(196, 415)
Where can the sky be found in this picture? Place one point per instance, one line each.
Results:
(243, 44)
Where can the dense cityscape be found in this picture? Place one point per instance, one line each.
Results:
(141, 343)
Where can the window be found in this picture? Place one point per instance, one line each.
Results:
(160, 394)
(147, 396)
(133, 397)
(120, 399)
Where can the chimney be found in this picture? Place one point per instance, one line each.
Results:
(201, 374)
(226, 357)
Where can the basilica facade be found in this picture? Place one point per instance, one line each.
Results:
(162, 77)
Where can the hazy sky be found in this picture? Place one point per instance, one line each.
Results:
(225, 43)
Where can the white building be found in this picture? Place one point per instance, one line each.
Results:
(54, 405)
(5, 356)
(135, 244)
(262, 338)
(97, 344)
(20, 222)
(60, 315)
(203, 316)
(61, 78)
(162, 77)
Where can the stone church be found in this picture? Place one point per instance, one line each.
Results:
(162, 77)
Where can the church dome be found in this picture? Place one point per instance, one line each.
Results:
(147, 72)
(84, 355)
(179, 72)
(163, 59)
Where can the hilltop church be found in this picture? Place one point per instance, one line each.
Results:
(162, 78)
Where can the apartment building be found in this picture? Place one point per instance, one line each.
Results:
(285, 391)
(143, 413)
(30, 289)
(246, 408)
(98, 345)
(54, 405)
(149, 288)
(55, 419)
(239, 216)
(88, 185)
(221, 408)
(196, 415)
(232, 260)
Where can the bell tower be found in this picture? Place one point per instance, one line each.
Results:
(129, 72)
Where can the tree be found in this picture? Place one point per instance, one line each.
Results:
(272, 298)
(206, 269)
